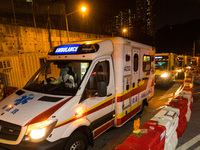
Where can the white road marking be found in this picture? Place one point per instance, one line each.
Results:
(190, 143)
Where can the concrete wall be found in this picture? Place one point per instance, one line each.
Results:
(22, 49)
(21, 39)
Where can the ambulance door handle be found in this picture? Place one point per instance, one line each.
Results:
(109, 95)
(133, 85)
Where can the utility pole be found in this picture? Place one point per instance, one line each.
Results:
(13, 9)
(194, 48)
(49, 25)
(33, 15)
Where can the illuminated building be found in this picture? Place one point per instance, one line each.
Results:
(145, 16)
(124, 19)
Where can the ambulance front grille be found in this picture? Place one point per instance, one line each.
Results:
(9, 131)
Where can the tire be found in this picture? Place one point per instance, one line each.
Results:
(77, 141)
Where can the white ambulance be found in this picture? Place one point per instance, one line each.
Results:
(165, 68)
(82, 90)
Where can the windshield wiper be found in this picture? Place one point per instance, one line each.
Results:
(56, 86)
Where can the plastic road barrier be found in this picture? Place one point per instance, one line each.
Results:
(169, 119)
(182, 123)
(150, 137)
(188, 82)
(182, 98)
(181, 105)
(151, 124)
(171, 145)
(187, 93)
(164, 129)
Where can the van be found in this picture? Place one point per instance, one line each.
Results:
(165, 68)
(194, 63)
(82, 90)
(183, 61)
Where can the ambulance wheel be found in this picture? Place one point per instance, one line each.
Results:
(77, 141)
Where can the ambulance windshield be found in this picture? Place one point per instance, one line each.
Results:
(59, 77)
(161, 65)
(179, 63)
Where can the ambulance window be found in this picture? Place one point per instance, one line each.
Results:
(135, 63)
(100, 73)
(146, 63)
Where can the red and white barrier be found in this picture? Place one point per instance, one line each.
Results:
(171, 145)
(182, 124)
(150, 137)
(163, 130)
(185, 101)
(169, 119)
(187, 93)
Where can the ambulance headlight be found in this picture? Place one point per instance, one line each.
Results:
(164, 75)
(39, 131)
(179, 70)
(188, 67)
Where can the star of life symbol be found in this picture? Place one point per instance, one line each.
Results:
(24, 99)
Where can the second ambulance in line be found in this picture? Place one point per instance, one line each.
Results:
(165, 66)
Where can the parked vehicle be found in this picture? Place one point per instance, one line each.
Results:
(112, 80)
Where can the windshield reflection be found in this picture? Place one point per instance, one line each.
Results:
(161, 65)
(59, 77)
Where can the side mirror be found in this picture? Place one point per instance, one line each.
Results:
(102, 88)
(89, 93)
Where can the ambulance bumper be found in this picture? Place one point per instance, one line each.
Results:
(45, 145)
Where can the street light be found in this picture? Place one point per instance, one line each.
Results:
(83, 9)
(124, 30)
(121, 32)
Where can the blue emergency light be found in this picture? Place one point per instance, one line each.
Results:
(75, 49)
(67, 49)
(158, 57)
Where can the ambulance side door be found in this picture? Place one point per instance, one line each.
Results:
(135, 75)
(100, 94)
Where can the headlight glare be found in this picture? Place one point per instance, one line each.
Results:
(39, 131)
(164, 75)
(179, 70)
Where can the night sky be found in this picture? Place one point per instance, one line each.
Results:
(171, 12)
(168, 12)
(101, 9)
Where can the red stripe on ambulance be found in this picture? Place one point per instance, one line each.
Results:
(46, 114)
